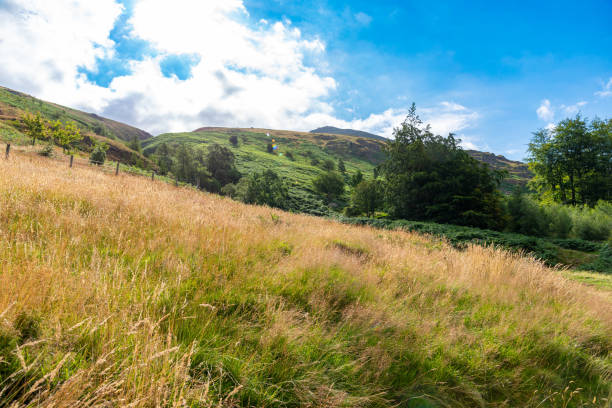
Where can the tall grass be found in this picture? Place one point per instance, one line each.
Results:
(119, 291)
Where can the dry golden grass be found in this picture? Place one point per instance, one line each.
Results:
(151, 295)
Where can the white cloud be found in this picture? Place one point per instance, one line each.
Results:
(263, 75)
(573, 109)
(607, 89)
(42, 43)
(546, 111)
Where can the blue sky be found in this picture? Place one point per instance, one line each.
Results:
(493, 72)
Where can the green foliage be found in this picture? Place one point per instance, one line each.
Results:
(573, 161)
(164, 159)
(356, 178)
(66, 135)
(329, 185)
(135, 144)
(47, 150)
(264, 189)
(430, 177)
(530, 217)
(220, 163)
(329, 165)
(34, 126)
(341, 166)
(367, 197)
(98, 154)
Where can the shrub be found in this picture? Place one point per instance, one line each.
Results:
(233, 140)
(47, 151)
(98, 154)
(591, 225)
(329, 165)
(559, 220)
(330, 185)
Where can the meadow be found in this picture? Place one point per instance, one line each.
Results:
(121, 291)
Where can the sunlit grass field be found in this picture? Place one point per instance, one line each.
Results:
(120, 291)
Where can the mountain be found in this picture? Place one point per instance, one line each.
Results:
(131, 292)
(350, 132)
(14, 104)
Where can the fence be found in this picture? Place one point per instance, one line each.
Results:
(107, 166)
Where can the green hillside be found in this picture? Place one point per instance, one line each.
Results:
(13, 105)
(300, 155)
(298, 159)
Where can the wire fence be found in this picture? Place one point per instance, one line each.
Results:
(107, 166)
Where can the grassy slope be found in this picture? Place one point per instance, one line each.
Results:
(357, 152)
(118, 290)
(14, 104)
(574, 253)
(252, 156)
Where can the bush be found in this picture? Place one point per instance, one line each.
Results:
(265, 188)
(526, 215)
(233, 140)
(559, 220)
(591, 225)
(47, 151)
(329, 185)
(329, 165)
(98, 154)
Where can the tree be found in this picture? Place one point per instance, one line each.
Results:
(329, 165)
(233, 140)
(135, 144)
(184, 166)
(356, 178)
(190, 167)
(220, 163)
(341, 166)
(329, 185)
(429, 177)
(367, 197)
(65, 135)
(164, 160)
(98, 154)
(35, 126)
(572, 162)
(265, 188)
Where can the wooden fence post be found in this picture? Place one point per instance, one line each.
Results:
(152, 175)
(176, 181)
(8, 150)
(117, 169)
(71, 159)
(198, 183)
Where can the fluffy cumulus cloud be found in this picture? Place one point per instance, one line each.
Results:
(207, 65)
(43, 43)
(545, 111)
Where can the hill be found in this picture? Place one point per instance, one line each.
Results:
(300, 155)
(120, 291)
(14, 104)
(298, 160)
(350, 132)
